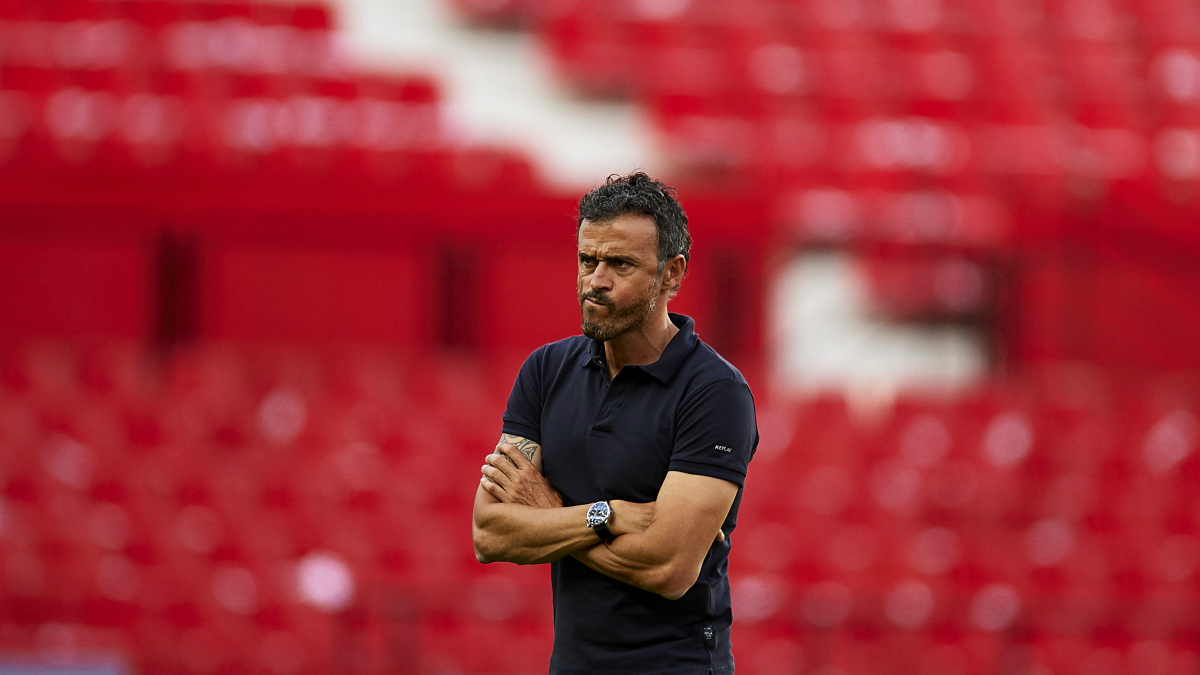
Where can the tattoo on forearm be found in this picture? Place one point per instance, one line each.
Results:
(526, 446)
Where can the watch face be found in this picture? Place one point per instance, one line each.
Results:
(598, 514)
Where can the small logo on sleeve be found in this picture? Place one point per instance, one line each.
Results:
(722, 448)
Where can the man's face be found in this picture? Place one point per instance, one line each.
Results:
(619, 280)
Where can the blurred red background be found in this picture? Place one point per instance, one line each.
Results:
(260, 308)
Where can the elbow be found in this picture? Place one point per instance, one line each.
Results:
(482, 554)
(485, 545)
(673, 582)
(488, 553)
(677, 590)
(490, 548)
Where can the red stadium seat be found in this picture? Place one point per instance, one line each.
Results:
(931, 538)
(160, 502)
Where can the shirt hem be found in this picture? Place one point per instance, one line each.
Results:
(698, 670)
(522, 431)
(685, 466)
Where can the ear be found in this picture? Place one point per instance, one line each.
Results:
(673, 273)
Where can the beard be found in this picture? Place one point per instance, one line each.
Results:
(621, 318)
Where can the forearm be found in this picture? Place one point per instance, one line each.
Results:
(528, 535)
(665, 558)
(643, 561)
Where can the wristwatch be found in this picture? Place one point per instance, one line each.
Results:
(597, 519)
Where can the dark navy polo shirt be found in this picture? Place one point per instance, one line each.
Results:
(690, 411)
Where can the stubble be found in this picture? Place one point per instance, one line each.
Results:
(620, 319)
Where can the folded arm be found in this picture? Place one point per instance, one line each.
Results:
(519, 517)
(666, 557)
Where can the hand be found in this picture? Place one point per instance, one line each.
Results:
(510, 477)
(629, 517)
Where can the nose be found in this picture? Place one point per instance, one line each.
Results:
(601, 278)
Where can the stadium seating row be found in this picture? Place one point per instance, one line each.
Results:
(941, 80)
(160, 81)
(156, 14)
(1074, 92)
(247, 498)
(165, 78)
(697, 133)
(235, 44)
(76, 119)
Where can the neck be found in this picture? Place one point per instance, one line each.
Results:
(642, 345)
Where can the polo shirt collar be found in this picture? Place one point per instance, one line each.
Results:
(668, 363)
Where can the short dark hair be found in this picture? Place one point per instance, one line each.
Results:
(639, 193)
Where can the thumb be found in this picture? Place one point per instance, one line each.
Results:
(720, 536)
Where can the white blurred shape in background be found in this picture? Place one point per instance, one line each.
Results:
(69, 461)
(825, 337)
(1179, 73)
(757, 596)
(282, 415)
(499, 91)
(1008, 439)
(1170, 441)
(1177, 152)
(324, 581)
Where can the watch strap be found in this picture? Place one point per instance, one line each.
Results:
(603, 532)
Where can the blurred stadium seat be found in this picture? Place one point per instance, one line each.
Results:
(280, 505)
(209, 213)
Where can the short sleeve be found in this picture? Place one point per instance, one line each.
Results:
(716, 433)
(523, 415)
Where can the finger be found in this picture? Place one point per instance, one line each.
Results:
(501, 455)
(493, 489)
(500, 462)
(496, 476)
(720, 536)
(514, 455)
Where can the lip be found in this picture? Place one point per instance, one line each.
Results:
(593, 303)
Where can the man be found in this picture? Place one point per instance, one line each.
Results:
(623, 455)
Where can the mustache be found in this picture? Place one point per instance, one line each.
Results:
(595, 297)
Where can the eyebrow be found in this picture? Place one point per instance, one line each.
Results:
(616, 258)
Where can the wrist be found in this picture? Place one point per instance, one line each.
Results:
(599, 516)
(615, 522)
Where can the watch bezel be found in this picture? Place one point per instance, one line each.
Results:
(598, 514)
